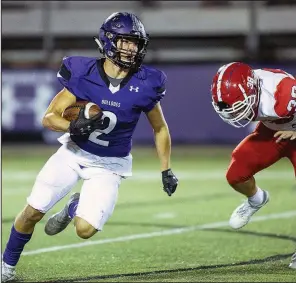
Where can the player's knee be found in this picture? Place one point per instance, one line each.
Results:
(231, 177)
(237, 173)
(30, 215)
(84, 230)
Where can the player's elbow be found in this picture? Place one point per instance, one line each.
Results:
(162, 136)
(48, 121)
(161, 128)
(45, 122)
(55, 122)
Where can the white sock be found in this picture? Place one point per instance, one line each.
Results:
(257, 198)
(9, 266)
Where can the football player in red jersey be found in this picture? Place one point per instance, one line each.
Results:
(241, 95)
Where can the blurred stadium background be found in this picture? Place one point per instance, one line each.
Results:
(189, 41)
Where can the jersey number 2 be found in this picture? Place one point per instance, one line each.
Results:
(292, 102)
(109, 123)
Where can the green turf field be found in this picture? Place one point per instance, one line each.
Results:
(155, 238)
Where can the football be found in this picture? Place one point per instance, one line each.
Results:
(91, 109)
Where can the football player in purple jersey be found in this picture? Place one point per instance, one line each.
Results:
(96, 150)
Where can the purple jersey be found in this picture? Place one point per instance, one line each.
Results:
(122, 106)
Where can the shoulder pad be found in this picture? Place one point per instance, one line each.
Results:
(75, 66)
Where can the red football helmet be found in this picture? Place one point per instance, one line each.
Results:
(235, 91)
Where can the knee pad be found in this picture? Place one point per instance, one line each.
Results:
(43, 196)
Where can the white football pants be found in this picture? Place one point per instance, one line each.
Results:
(60, 174)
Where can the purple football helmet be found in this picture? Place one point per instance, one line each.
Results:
(124, 26)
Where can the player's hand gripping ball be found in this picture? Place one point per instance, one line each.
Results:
(85, 117)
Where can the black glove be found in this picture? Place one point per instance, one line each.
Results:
(81, 128)
(169, 181)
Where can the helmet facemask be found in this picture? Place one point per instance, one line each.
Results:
(113, 49)
(241, 113)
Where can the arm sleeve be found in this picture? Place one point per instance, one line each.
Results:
(64, 73)
(67, 76)
(158, 92)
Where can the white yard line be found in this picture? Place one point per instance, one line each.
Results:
(149, 176)
(9, 176)
(167, 232)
